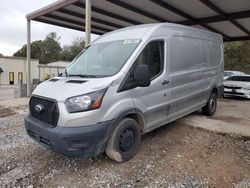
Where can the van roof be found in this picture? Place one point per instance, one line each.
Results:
(139, 31)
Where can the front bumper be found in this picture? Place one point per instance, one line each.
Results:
(237, 93)
(84, 142)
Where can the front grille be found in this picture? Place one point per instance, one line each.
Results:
(48, 115)
(232, 87)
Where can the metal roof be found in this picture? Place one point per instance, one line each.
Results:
(231, 18)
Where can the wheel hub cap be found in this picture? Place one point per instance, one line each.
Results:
(212, 104)
(126, 140)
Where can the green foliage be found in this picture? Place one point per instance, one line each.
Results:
(49, 49)
(237, 56)
(69, 52)
(35, 52)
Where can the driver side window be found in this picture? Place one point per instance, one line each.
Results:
(153, 56)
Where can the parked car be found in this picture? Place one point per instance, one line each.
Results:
(228, 74)
(127, 83)
(237, 86)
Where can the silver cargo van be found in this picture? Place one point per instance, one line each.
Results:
(124, 84)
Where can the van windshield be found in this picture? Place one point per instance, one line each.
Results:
(102, 59)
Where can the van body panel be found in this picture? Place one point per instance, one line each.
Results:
(123, 103)
(63, 88)
(153, 100)
(138, 32)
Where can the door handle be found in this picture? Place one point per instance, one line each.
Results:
(165, 82)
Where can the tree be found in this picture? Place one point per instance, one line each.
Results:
(35, 50)
(46, 51)
(69, 52)
(50, 49)
(237, 56)
(22, 52)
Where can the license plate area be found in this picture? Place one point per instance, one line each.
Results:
(39, 138)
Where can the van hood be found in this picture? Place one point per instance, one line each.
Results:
(61, 88)
(236, 83)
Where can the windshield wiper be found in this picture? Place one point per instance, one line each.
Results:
(83, 75)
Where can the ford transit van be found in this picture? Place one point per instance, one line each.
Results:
(124, 84)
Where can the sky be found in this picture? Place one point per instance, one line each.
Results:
(13, 26)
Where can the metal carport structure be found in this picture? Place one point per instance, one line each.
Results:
(230, 18)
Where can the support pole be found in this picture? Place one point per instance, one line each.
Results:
(87, 22)
(28, 60)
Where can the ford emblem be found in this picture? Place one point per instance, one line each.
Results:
(39, 108)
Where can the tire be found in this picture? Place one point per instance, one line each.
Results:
(211, 105)
(124, 140)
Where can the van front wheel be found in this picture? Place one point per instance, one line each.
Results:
(124, 140)
(211, 105)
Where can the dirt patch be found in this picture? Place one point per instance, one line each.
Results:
(228, 119)
(175, 155)
(6, 111)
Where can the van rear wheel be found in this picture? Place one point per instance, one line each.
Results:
(211, 105)
(124, 140)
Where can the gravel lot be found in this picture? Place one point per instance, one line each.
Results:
(176, 155)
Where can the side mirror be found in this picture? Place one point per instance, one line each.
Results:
(142, 76)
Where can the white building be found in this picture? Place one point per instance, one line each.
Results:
(13, 69)
(51, 69)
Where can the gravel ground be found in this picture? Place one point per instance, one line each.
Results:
(174, 156)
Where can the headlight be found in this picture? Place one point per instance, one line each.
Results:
(85, 102)
(246, 88)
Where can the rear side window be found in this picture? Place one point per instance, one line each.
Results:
(240, 78)
(153, 56)
(185, 53)
(213, 53)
